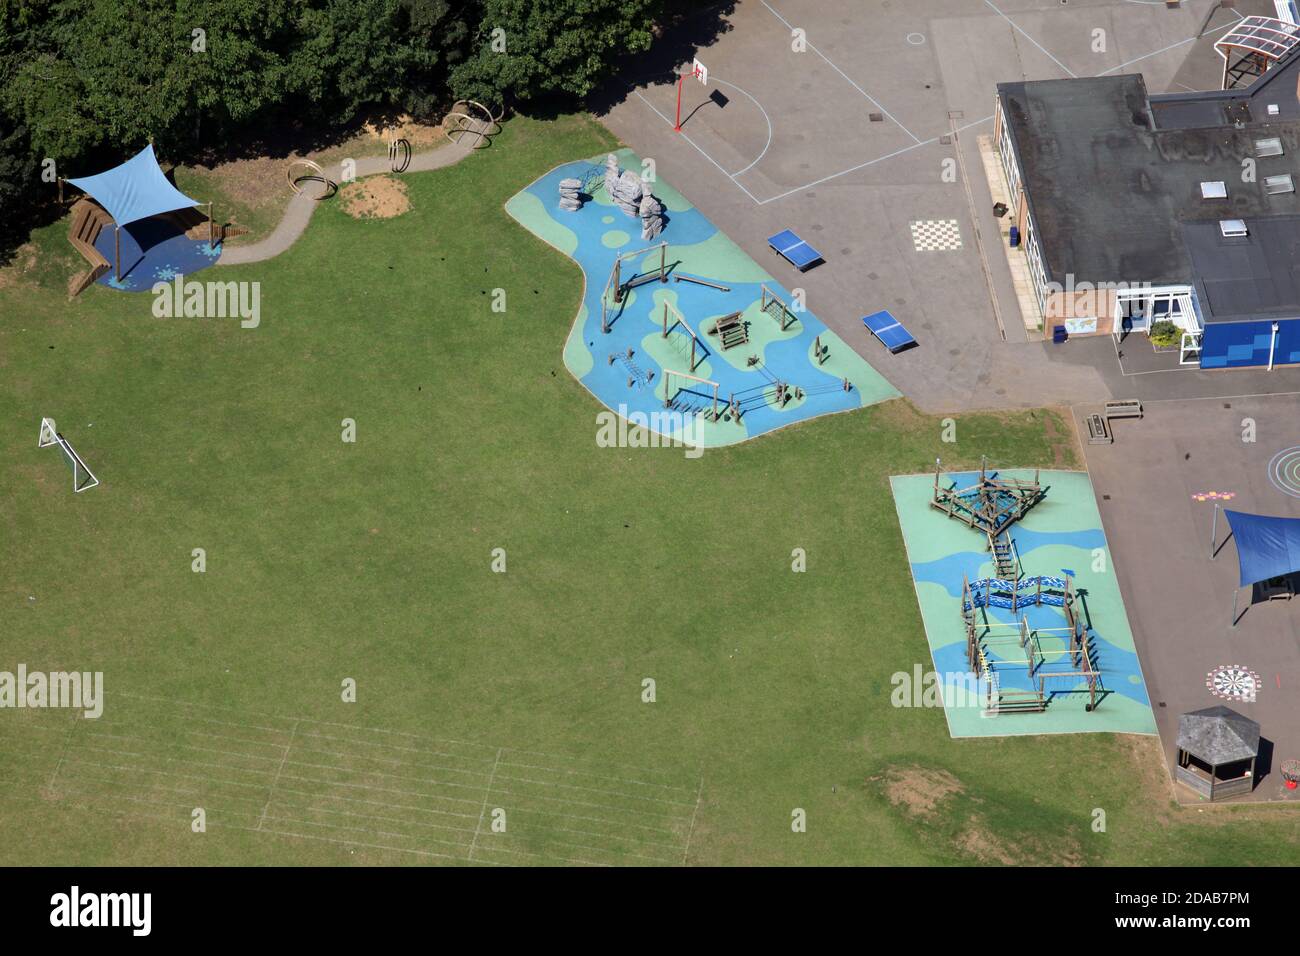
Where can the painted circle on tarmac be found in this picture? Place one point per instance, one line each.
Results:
(1233, 682)
(1284, 471)
(916, 39)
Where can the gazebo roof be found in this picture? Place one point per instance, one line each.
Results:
(137, 189)
(1218, 735)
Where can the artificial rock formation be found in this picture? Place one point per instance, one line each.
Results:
(571, 194)
(631, 193)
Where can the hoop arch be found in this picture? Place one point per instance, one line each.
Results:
(314, 174)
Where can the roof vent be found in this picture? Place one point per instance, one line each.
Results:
(1268, 146)
(1273, 109)
(1214, 191)
(1277, 185)
(1232, 227)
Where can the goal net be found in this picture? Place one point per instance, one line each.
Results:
(82, 477)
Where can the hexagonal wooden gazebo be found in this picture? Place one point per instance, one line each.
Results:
(1217, 749)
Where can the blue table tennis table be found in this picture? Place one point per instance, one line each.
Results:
(889, 330)
(794, 250)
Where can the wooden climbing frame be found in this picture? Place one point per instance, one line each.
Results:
(768, 300)
(731, 330)
(619, 287)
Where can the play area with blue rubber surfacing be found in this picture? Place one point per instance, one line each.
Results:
(1021, 606)
(703, 345)
(153, 250)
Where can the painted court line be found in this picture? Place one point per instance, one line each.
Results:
(919, 142)
(115, 768)
(487, 795)
(1014, 26)
(697, 146)
(874, 102)
(270, 796)
(590, 819)
(588, 773)
(1173, 46)
(699, 794)
(119, 812)
(870, 162)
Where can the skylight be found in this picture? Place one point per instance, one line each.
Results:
(1232, 227)
(1277, 185)
(1268, 146)
(1216, 190)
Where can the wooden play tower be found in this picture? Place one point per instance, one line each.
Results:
(991, 506)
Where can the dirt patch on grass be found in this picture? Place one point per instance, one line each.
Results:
(252, 182)
(976, 840)
(1063, 438)
(420, 135)
(376, 197)
(17, 271)
(919, 790)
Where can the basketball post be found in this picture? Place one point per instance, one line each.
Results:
(700, 72)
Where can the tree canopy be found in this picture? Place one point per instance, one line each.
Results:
(85, 81)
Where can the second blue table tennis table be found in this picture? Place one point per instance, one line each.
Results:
(889, 330)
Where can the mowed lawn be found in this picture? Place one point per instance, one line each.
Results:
(522, 690)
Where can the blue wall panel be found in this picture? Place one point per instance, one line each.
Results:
(1243, 344)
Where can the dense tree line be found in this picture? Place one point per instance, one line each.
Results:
(88, 81)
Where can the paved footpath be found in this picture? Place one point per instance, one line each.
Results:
(298, 213)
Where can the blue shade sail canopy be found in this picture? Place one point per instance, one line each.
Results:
(135, 190)
(1267, 547)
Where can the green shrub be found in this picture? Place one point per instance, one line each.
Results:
(1165, 333)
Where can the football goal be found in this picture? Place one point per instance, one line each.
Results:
(82, 477)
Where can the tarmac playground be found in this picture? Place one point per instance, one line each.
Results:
(660, 349)
(1059, 538)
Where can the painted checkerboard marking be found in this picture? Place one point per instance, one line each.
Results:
(936, 235)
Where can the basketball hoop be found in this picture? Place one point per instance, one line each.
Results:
(698, 71)
(1291, 773)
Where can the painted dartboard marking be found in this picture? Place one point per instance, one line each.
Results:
(1233, 682)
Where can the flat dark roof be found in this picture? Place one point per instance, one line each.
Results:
(1113, 178)
(1246, 277)
(1109, 195)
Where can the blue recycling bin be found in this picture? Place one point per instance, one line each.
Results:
(1059, 334)
(1015, 236)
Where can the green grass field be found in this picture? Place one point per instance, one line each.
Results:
(522, 690)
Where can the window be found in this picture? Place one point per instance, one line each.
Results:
(1232, 227)
(1268, 146)
(1277, 185)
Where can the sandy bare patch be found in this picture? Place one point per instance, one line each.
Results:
(23, 262)
(976, 840)
(919, 790)
(376, 197)
(253, 182)
(419, 135)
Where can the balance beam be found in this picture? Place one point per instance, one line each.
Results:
(711, 285)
